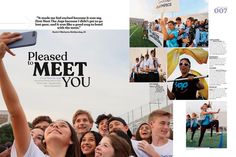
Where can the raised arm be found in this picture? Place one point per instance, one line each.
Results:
(204, 113)
(19, 123)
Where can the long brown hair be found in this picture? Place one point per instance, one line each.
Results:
(120, 146)
(139, 138)
(74, 148)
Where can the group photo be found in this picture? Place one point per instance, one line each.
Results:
(147, 65)
(176, 26)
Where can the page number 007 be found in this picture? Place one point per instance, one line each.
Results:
(220, 10)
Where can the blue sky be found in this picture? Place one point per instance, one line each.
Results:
(146, 8)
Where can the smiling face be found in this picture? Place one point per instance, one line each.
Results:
(188, 23)
(37, 135)
(103, 127)
(171, 26)
(115, 124)
(104, 149)
(205, 107)
(58, 131)
(184, 67)
(160, 126)
(88, 144)
(145, 131)
(82, 124)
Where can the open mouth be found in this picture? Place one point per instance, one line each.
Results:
(86, 147)
(144, 133)
(82, 128)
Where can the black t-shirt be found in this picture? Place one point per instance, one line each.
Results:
(185, 90)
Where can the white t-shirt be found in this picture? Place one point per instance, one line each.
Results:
(150, 63)
(136, 68)
(165, 150)
(179, 27)
(146, 64)
(143, 66)
(33, 150)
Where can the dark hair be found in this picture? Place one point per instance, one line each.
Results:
(123, 135)
(188, 115)
(129, 133)
(186, 59)
(102, 117)
(172, 22)
(178, 19)
(120, 146)
(73, 149)
(97, 137)
(138, 137)
(41, 119)
(117, 119)
(2, 148)
(171, 134)
(191, 19)
(153, 52)
(208, 105)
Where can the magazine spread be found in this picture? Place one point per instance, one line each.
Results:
(145, 78)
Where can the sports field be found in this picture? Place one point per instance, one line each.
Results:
(136, 37)
(216, 141)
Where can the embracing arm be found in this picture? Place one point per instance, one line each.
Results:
(19, 123)
(148, 149)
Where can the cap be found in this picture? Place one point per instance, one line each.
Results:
(129, 133)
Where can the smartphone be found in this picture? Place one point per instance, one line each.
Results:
(28, 39)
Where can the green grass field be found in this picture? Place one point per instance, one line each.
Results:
(208, 141)
(136, 37)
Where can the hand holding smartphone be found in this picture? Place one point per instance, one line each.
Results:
(28, 39)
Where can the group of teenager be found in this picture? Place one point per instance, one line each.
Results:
(193, 33)
(61, 139)
(205, 121)
(145, 68)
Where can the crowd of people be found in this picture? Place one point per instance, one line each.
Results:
(205, 121)
(146, 68)
(58, 138)
(192, 33)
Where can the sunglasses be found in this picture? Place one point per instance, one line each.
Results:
(185, 64)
